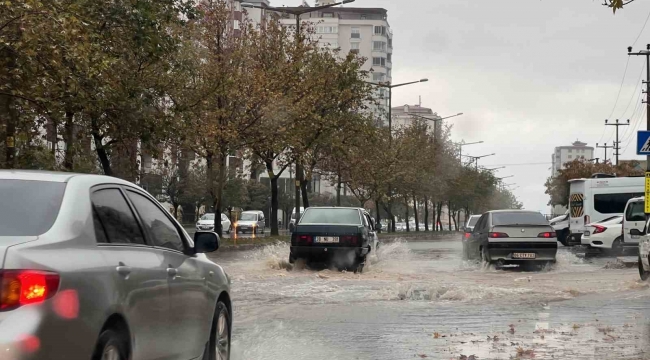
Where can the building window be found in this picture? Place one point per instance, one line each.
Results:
(378, 46)
(328, 15)
(354, 47)
(389, 73)
(570, 156)
(327, 30)
(364, 16)
(389, 57)
(379, 61)
(236, 24)
(380, 30)
(379, 77)
(356, 33)
(390, 43)
(570, 150)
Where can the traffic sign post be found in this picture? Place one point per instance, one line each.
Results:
(647, 192)
(643, 143)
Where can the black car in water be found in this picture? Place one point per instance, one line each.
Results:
(339, 236)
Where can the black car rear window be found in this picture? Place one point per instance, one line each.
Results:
(518, 218)
(331, 216)
(29, 208)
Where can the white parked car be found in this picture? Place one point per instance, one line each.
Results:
(644, 251)
(206, 223)
(634, 219)
(561, 226)
(252, 222)
(605, 235)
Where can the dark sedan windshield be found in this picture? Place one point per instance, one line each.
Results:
(29, 208)
(518, 218)
(331, 216)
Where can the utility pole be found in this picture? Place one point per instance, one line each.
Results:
(645, 53)
(617, 143)
(604, 147)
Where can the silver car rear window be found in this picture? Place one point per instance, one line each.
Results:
(331, 216)
(473, 220)
(29, 208)
(518, 218)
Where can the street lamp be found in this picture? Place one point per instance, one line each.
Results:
(476, 158)
(505, 177)
(297, 12)
(460, 147)
(390, 88)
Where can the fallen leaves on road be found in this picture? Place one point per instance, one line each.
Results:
(576, 326)
(422, 356)
(512, 329)
(525, 353)
(465, 357)
(436, 335)
(323, 276)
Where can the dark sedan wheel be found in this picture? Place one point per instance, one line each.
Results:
(112, 345)
(642, 273)
(219, 347)
(359, 264)
(485, 256)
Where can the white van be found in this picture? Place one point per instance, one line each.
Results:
(634, 219)
(593, 200)
(292, 221)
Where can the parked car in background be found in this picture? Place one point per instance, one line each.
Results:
(561, 226)
(101, 271)
(595, 199)
(251, 222)
(512, 237)
(341, 236)
(605, 235)
(206, 223)
(633, 218)
(470, 223)
(292, 221)
(400, 226)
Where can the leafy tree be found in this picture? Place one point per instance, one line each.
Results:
(558, 188)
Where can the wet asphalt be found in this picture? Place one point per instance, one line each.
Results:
(422, 300)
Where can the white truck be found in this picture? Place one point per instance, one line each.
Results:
(593, 200)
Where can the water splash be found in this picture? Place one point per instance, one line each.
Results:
(451, 292)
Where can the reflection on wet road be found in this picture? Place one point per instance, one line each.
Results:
(420, 299)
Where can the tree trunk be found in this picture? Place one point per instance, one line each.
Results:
(378, 212)
(68, 162)
(338, 188)
(439, 213)
(101, 150)
(303, 189)
(274, 206)
(415, 213)
(7, 109)
(426, 214)
(449, 214)
(453, 216)
(406, 202)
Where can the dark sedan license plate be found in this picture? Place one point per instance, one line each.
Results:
(524, 255)
(327, 239)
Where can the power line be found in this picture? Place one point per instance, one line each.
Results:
(617, 96)
(641, 32)
(522, 164)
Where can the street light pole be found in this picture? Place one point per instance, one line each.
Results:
(460, 148)
(390, 135)
(645, 53)
(297, 12)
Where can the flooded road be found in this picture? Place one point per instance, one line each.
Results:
(421, 300)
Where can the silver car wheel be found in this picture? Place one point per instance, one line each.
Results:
(111, 353)
(223, 337)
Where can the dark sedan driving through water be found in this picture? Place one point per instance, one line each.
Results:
(341, 236)
(512, 237)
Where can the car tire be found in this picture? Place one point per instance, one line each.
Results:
(644, 275)
(220, 334)
(292, 260)
(359, 264)
(485, 256)
(563, 236)
(111, 345)
(617, 246)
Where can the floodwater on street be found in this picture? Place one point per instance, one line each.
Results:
(421, 300)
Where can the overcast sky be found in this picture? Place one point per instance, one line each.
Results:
(529, 75)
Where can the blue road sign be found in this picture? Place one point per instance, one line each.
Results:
(643, 143)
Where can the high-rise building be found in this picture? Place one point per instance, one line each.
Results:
(403, 116)
(565, 154)
(363, 31)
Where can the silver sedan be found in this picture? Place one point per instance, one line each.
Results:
(93, 267)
